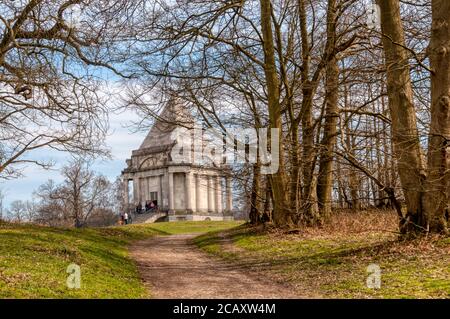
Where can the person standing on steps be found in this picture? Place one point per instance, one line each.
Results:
(139, 208)
(152, 206)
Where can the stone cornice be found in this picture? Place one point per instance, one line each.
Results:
(152, 150)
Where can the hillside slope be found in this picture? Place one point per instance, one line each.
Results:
(34, 259)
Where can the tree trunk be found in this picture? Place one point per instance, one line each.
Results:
(268, 200)
(341, 190)
(353, 182)
(325, 177)
(255, 196)
(437, 197)
(404, 128)
(281, 215)
(389, 172)
(310, 212)
(295, 183)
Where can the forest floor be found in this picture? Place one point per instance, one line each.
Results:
(332, 262)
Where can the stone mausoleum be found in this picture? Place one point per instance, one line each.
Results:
(184, 191)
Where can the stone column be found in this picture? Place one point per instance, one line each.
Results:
(145, 195)
(197, 192)
(126, 194)
(161, 193)
(187, 191)
(229, 197)
(136, 190)
(210, 194)
(218, 194)
(171, 201)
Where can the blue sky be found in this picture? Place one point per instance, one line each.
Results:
(121, 141)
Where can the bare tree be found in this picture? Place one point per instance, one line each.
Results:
(426, 191)
(49, 53)
(437, 199)
(17, 212)
(281, 215)
(308, 68)
(51, 208)
(80, 195)
(403, 115)
(325, 175)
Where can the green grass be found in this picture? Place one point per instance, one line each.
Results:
(34, 259)
(193, 227)
(334, 265)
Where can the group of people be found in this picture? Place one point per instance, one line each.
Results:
(125, 219)
(150, 206)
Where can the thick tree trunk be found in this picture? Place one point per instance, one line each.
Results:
(309, 200)
(293, 180)
(268, 200)
(437, 197)
(404, 128)
(255, 196)
(309, 211)
(325, 177)
(295, 183)
(353, 184)
(281, 215)
(340, 183)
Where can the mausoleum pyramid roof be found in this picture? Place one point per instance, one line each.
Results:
(174, 114)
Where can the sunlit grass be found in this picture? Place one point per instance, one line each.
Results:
(34, 259)
(332, 262)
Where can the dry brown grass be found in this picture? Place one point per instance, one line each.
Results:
(344, 224)
(347, 221)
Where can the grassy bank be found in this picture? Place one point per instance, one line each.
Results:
(332, 262)
(34, 259)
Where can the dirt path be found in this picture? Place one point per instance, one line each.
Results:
(171, 267)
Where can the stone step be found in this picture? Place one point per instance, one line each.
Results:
(146, 218)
